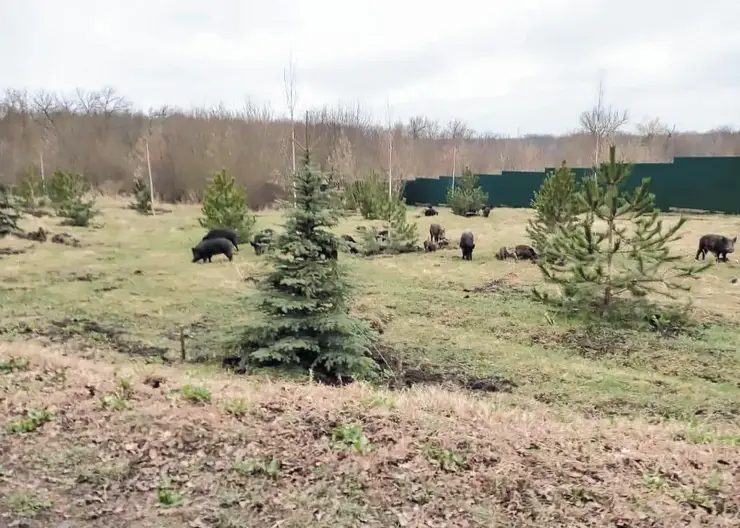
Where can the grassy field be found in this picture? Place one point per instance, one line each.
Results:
(604, 427)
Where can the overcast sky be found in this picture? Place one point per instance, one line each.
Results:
(504, 66)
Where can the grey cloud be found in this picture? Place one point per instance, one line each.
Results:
(232, 18)
(549, 113)
(569, 45)
(384, 72)
(365, 78)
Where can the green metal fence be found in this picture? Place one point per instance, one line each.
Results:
(702, 183)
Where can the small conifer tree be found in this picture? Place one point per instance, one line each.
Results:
(9, 214)
(556, 205)
(70, 196)
(369, 195)
(402, 235)
(142, 197)
(32, 190)
(305, 299)
(466, 196)
(225, 206)
(603, 264)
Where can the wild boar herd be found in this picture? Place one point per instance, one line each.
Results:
(223, 241)
(438, 240)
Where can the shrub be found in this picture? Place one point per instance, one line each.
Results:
(142, 197)
(9, 214)
(70, 197)
(32, 191)
(225, 206)
(370, 196)
(466, 196)
(402, 235)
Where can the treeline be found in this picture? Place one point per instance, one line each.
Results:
(101, 135)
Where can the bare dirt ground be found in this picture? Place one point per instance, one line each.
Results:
(102, 426)
(103, 447)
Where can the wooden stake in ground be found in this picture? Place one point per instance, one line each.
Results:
(149, 168)
(390, 153)
(41, 166)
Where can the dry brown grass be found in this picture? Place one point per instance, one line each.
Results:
(97, 135)
(438, 458)
(133, 275)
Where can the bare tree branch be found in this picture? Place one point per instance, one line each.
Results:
(602, 122)
(291, 97)
(420, 127)
(456, 129)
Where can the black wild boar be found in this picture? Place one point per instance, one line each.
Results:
(430, 211)
(436, 232)
(717, 244)
(206, 249)
(350, 243)
(223, 232)
(523, 252)
(262, 241)
(443, 243)
(430, 245)
(330, 253)
(467, 244)
(487, 211)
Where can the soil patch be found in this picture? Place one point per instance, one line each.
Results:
(497, 286)
(42, 235)
(90, 333)
(11, 251)
(596, 342)
(397, 374)
(66, 239)
(114, 335)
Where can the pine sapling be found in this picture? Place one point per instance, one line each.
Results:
(71, 197)
(32, 190)
(400, 235)
(556, 205)
(466, 196)
(628, 256)
(142, 203)
(9, 214)
(225, 206)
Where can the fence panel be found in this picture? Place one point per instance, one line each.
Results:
(702, 183)
(706, 183)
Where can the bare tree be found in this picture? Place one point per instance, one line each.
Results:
(649, 129)
(291, 98)
(105, 102)
(602, 122)
(46, 105)
(653, 130)
(254, 113)
(163, 112)
(456, 129)
(111, 103)
(420, 127)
